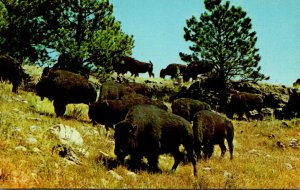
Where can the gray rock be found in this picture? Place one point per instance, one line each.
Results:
(66, 135)
(227, 175)
(21, 148)
(288, 166)
(115, 175)
(294, 143)
(31, 140)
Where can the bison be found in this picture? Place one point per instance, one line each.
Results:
(297, 83)
(244, 102)
(211, 128)
(133, 66)
(140, 88)
(72, 63)
(186, 107)
(110, 90)
(195, 68)
(150, 131)
(11, 70)
(110, 112)
(173, 70)
(292, 108)
(64, 87)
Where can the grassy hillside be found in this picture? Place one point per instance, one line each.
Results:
(262, 155)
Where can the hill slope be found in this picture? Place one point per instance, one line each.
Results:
(266, 154)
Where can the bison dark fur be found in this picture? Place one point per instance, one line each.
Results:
(140, 88)
(186, 107)
(211, 128)
(292, 108)
(133, 66)
(195, 68)
(11, 70)
(173, 70)
(113, 91)
(64, 87)
(150, 131)
(244, 102)
(111, 112)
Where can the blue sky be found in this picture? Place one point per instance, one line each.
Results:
(157, 27)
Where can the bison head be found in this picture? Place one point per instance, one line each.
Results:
(125, 141)
(162, 73)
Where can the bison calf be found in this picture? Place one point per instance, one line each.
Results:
(150, 131)
(211, 128)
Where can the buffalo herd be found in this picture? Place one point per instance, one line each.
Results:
(144, 126)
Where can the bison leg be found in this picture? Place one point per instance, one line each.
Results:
(59, 108)
(230, 146)
(153, 163)
(193, 158)
(178, 157)
(208, 150)
(222, 147)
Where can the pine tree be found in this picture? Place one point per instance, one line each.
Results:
(85, 29)
(223, 35)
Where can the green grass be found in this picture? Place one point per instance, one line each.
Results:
(18, 112)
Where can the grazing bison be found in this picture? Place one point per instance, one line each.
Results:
(110, 112)
(244, 102)
(173, 70)
(195, 68)
(140, 88)
(64, 87)
(113, 91)
(133, 66)
(186, 107)
(11, 70)
(211, 128)
(150, 131)
(292, 108)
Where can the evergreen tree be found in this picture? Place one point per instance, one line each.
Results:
(84, 29)
(223, 35)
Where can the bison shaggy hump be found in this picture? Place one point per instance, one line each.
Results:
(211, 128)
(11, 70)
(114, 91)
(150, 131)
(186, 107)
(64, 87)
(173, 70)
(110, 112)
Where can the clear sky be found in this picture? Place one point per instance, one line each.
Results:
(157, 27)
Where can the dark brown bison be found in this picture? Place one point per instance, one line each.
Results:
(296, 83)
(64, 87)
(110, 90)
(11, 70)
(211, 128)
(186, 107)
(173, 70)
(150, 131)
(292, 108)
(140, 88)
(111, 112)
(197, 67)
(244, 102)
(72, 63)
(133, 66)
